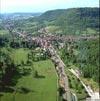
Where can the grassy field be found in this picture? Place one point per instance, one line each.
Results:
(43, 88)
(2, 32)
(20, 55)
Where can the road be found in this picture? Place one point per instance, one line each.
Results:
(94, 96)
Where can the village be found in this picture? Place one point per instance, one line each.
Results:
(45, 40)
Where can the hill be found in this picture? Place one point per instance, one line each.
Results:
(72, 21)
(62, 21)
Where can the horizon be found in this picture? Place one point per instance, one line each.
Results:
(44, 11)
(40, 6)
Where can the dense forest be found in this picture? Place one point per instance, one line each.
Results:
(84, 55)
(73, 21)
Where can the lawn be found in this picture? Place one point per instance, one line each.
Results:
(43, 88)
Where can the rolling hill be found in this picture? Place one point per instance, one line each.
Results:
(74, 20)
(61, 21)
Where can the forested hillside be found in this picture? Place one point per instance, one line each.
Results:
(61, 21)
(73, 21)
(84, 56)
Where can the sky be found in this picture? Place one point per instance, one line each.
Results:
(11, 6)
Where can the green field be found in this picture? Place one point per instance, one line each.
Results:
(19, 55)
(3, 32)
(43, 88)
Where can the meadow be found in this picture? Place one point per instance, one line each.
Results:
(42, 88)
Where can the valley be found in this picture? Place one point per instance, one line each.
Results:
(50, 57)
